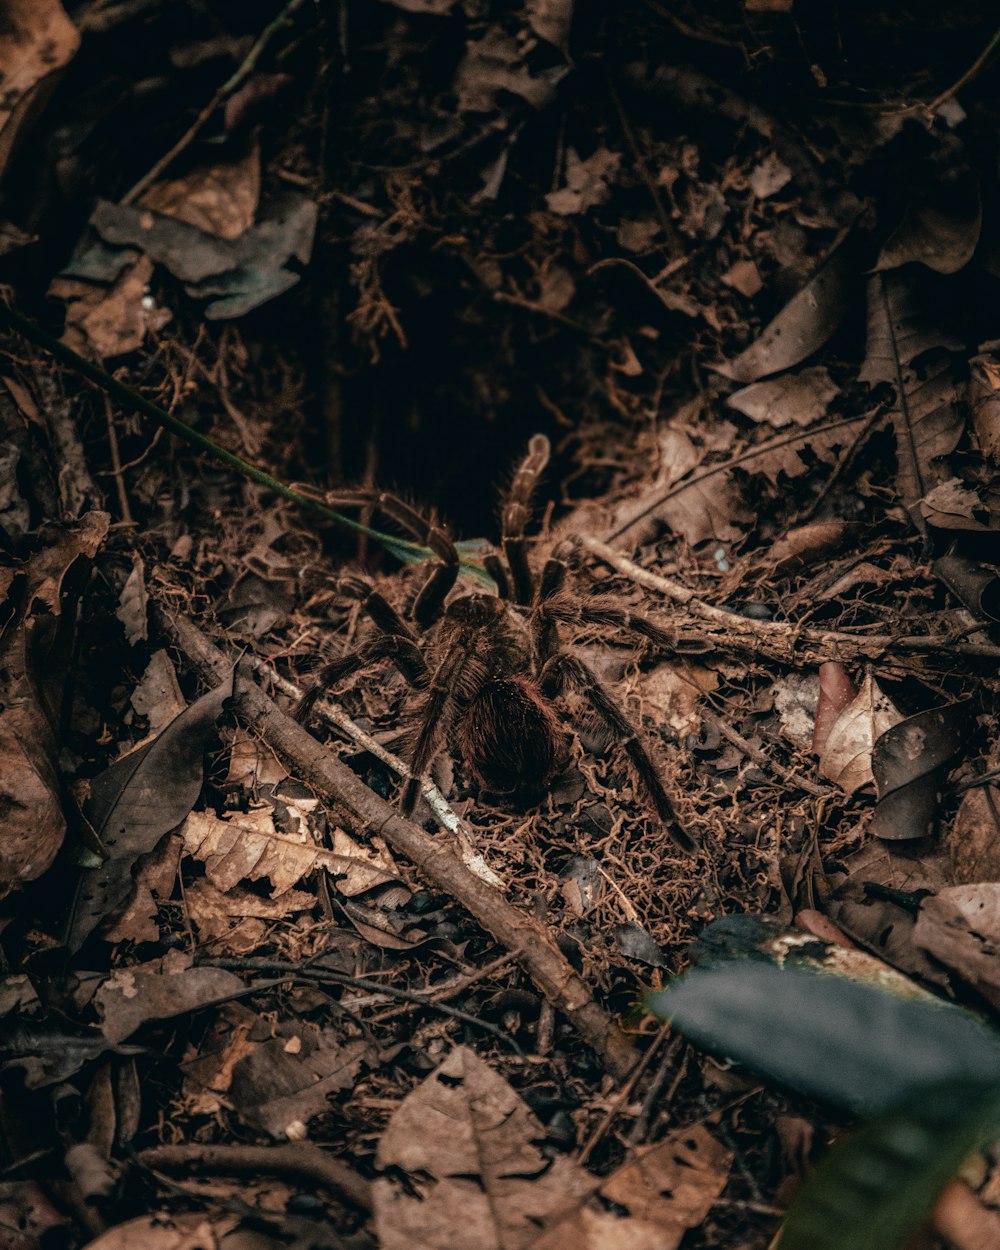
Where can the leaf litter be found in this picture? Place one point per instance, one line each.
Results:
(389, 252)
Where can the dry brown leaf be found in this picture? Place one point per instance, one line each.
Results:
(219, 199)
(167, 987)
(133, 604)
(476, 1176)
(235, 920)
(909, 350)
(672, 693)
(494, 64)
(984, 402)
(667, 1189)
(587, 182)
(847, 755)
(252, 764)
(111, 321)
(795, 398)
(37, 41)
(158, 695)
(32, 651)
(163, 1231)
(285, 1081)
(801, 328)
(942, 236)
(248, 848)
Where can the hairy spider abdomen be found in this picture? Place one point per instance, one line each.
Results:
(510, 738)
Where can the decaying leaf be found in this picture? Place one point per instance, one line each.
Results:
(586, 182)
(664, 1191)
(795, 398)
(219, 199)
(131, 997)
(907, 350)
(908, 762)
(34, 650)
(139, 799)
(37, 41)
(494, 65)
(984, 402)
(960, 927)
(476, 1176)
(241, 273)
(801, 328)
(110, 321)
(847, 753)
(285, 1081)
(134, 603)
(940, 234)
(158, 696)
(241, 849)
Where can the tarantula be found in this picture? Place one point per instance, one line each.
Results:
(484, 666)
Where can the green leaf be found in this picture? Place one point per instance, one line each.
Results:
(854, 1045)
(877, 1188)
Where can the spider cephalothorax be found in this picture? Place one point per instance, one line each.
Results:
(485, 667)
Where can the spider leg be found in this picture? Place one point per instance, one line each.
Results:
(516, 512)
(403, 652)
(376, 606)
(458, 678)
(564, 667)
(444, 572)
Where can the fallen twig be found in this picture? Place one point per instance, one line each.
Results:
(301, 1159)
(315, 765)
(777, 640)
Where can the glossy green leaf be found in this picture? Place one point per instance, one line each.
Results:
(854, 1045)
(876, 1189)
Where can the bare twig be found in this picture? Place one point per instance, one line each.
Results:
(315, 973)
(301, 1159)
(525, 936)
(720, 630)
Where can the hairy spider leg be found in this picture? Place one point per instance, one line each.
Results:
(516, 512)
(444, 571)
(379, 610)
(564, 668)
(457, 680)
(495, 567)
(403, 652)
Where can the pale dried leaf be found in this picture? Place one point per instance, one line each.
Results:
(248, 848)
(158, 695)
(801, 328)
(847, 755)
(219, 199)
(494, 64)
(133, 604)
(795, 398)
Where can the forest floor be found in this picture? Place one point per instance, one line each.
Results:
(671, 327)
